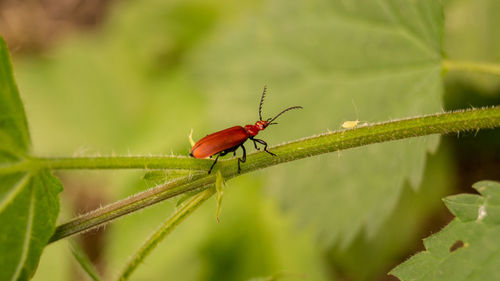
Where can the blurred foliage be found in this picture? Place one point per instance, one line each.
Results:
(468, 36)
(469, 26)
(413, 218)
(253, 240)
(155, 69)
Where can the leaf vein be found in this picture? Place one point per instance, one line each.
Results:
(407, 30)
(12, 194)
(27, 238)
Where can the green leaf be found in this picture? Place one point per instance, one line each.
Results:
(464, 206)
(382, 56)
(14, 136)
(29, 207)
(466, 249)
(29, 202)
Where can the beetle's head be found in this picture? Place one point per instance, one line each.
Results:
(261, 125)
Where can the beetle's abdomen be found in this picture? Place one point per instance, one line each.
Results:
(219, 141)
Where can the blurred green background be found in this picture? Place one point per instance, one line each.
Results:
(133, 78)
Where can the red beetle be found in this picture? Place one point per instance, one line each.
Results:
(229, 140)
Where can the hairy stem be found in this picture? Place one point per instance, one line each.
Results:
(441, 123)
(469, 66)
(177, 217)
(133, 203)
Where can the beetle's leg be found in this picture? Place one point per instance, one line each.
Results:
(265, 146)
(242, 159)
(255, 143)
(211, 167)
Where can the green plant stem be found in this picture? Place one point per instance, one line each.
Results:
(133, 203)
(119, 162)
(469, 66)
(177, 217)
(108, 162)
(84, 261)
(441, 123)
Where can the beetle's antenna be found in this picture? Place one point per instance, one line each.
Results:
(290, 108)
(262, 102)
